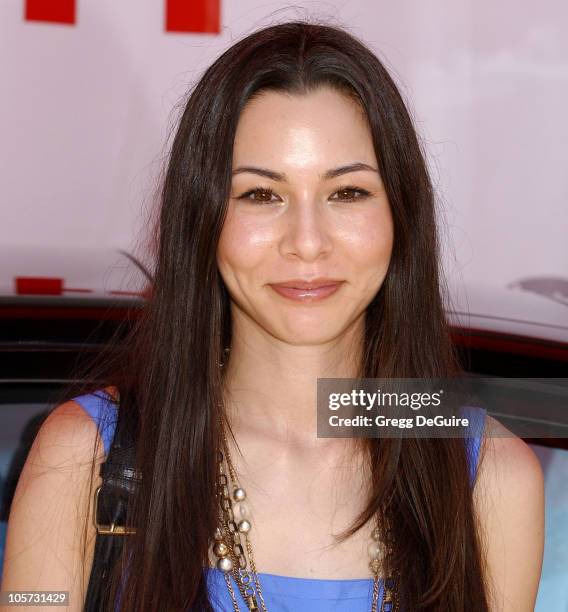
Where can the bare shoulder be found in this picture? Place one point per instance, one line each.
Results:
(508, 461)
(509, 501)
(50, 535)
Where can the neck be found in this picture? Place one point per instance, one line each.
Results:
(271, 386)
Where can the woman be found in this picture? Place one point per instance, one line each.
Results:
(296, 240)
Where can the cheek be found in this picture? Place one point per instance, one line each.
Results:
(244, 245)
(368, 240)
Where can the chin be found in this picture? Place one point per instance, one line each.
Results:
(310, 333)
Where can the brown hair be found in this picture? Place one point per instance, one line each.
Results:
(168, 374)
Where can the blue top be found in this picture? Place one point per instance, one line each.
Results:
(285, 593)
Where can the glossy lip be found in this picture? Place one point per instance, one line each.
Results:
(307, 291)
(313, 283)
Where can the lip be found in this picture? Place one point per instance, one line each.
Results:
(307, 291)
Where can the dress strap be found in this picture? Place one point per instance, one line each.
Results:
(476, 416)
(103, 411)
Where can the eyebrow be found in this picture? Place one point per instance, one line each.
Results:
(278, 176)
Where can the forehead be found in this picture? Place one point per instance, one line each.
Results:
(324, 126)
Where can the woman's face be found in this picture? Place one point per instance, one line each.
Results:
(297, 211)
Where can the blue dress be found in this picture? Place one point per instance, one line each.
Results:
(285, 593)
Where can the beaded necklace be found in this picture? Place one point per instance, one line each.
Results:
(231, 540)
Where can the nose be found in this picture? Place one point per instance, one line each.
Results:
(307, 232)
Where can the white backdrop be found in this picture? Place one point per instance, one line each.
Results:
(85, 110)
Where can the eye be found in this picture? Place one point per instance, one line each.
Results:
(347, 192)
(265, 194)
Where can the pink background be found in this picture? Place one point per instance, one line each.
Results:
(86, 107)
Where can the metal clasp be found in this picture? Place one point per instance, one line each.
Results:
(111, 529)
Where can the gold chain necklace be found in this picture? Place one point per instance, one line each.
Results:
(231, 539)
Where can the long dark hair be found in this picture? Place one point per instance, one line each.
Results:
(168, 374)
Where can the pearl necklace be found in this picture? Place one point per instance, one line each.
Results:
(231, 539)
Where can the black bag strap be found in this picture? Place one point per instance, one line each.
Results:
(120, 480)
